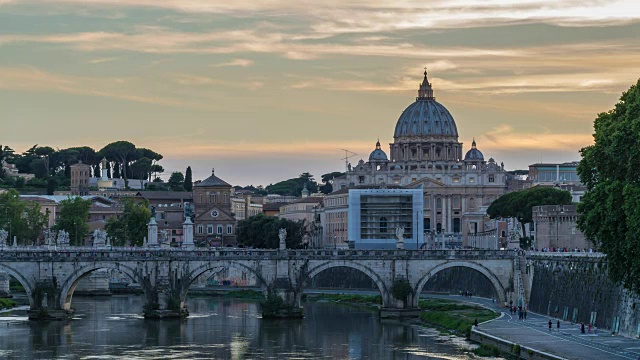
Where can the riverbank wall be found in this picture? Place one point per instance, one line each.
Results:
(511, 348)
(579, 290)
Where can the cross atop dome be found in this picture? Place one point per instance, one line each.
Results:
(425, 92)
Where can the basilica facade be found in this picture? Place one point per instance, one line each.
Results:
(457, 186)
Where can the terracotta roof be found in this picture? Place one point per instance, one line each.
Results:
(310, 199)
(212, 180)
(272, 206)
(168, 195)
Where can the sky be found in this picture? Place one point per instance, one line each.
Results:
(264, 90)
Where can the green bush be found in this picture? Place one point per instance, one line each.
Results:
(515, 349)
(6, 303)
(401, 289)
(272, 304)
(487, 350)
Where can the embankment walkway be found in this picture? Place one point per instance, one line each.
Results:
(568, 342)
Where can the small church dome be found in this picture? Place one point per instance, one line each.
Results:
(474, 154)
(378, 154)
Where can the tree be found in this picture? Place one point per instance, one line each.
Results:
(176, 181)
(74, 213)
(261, 232)
(21, 218)
(51, 185)
(45, 152)
(141, 169)
(293, 187)
(155, 169)
(122, 152)
(131, 227)
(188, 182)
(609, 213)
(519, 204)
(327, 179)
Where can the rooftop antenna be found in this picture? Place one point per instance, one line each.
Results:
(347, 155)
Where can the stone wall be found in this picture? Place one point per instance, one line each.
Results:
(563, 287)
(457, 279)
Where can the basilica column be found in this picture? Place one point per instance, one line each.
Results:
(449, 213)
(444, 214)
(434, 210)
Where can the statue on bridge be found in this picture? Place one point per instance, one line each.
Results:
(63, 238)
(400, 238)
(49, 237)
(189, 210)
(282, 234)
(99, 237)
(163, 237)
(4, 234)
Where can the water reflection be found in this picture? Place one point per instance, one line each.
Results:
(110, 328)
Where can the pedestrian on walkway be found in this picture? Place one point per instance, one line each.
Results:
(475, 323)
(558, 325)
(525, 314)
(549, 325)
(582, 328)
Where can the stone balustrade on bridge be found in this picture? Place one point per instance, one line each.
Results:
(50, 275)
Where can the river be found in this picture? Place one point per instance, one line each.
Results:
(218, 328)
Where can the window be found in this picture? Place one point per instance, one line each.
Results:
(361, 179)
(219, 229)
(456, 225)
(229, 229)
(383, 224)
(492, 178)
(472, 180)
(438, 203)
(210, 229)
(200, 229)
(456, 179)
(427, 224)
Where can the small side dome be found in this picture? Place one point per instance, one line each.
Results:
(378, 154)
(474, 154)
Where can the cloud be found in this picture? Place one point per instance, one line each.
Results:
(33, 79)
(235, 62)
(336, 16)
(505, 137)
(102, 60)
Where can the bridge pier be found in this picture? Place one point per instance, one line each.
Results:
(45, 304)
(5, 292)
(165, 305)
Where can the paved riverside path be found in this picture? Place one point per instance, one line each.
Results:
(568, 343)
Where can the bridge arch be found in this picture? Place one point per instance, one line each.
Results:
(69, 285)
(23, 281)
(497, 285)
(198, 271)
(353, 265)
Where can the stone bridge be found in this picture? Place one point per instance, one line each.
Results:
(50, 276)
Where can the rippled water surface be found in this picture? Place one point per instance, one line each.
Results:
(112, 328)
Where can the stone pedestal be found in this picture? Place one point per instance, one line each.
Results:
(5, 292)
(187, 234)
(152, 238)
